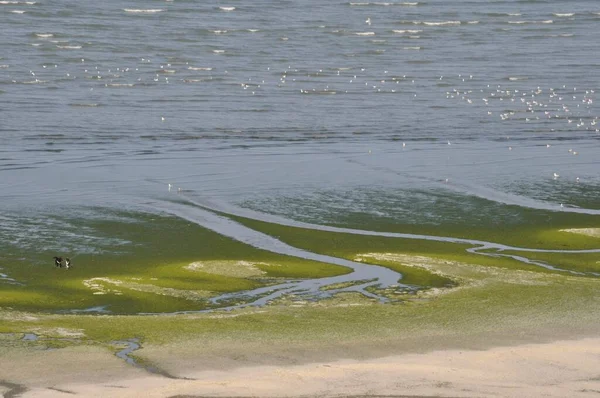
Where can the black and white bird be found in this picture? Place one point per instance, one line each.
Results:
(60, 262)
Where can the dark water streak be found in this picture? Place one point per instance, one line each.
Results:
(14, 389)
(132, 345)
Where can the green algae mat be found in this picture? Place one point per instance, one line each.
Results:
(158, 285)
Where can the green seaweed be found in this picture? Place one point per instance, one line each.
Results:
(159, 251)
(465, 295)
(348, 245)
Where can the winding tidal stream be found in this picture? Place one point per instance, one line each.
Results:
(364, 278)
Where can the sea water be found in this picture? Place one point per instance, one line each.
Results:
(323, 112)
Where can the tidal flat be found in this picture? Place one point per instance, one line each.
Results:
(158, 289)
(299, 198)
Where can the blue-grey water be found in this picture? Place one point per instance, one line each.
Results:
(412, 112)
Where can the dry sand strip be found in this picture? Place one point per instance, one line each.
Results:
(559, 369)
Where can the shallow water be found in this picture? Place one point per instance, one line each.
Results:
(359, 280)
(129, 346)
(431, 112)
(362, 277)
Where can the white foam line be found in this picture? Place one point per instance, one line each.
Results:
(143, 11)
(444, 23)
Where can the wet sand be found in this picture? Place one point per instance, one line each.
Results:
(558, 369)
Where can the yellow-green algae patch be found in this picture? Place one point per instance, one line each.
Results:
(98, 286)
(466, 275)
(593, 232)
(489, 306)
(472, 300)
(148, 274)
(588, 263)
(238, 269)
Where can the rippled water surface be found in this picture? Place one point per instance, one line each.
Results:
(414, 112)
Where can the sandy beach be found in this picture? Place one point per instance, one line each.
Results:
(567, 368)
(505, 333)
